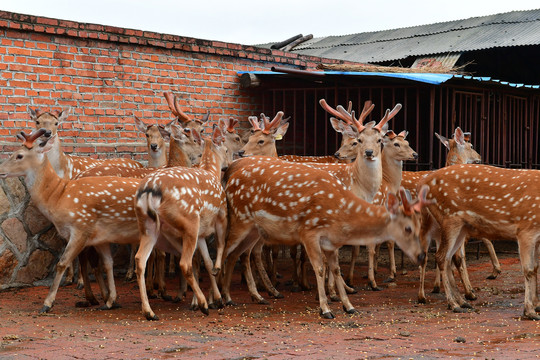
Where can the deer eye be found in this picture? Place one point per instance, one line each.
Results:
(260, 142)
(237, 139)
(396, 144)
(37, 122)
(19, 156)
(408, 230)
(354, 143)
(380, 140)
(56, 124)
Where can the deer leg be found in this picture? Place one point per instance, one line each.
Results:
(196, 261)
(160, 275)
(333, 265)
(355, 251)
(88, 294)
(80, 280)
(528, 254)
(216, 301)
(451, 240)
(104, 251)
(371, 268)
(461, 265)
(220, 231)
(293, 251)
(494, 260)
(70, 274)
(74, 246)
(304, 282)
(257, 252)
(150, 273)
(314, 254)
(148, 240)
(131, 267)
(392, 258)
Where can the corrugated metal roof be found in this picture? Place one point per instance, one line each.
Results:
(515, 28)
(428, 78)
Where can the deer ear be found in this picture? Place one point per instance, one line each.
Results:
(281, 131)
(166, 134)
(63, 116)
(392, 204)
(217, 136)
(443, 140)
(343, 128)
(177, 132)
(459, 136)
(33, 114)
(141, 126)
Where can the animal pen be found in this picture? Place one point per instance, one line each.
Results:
(504, 119)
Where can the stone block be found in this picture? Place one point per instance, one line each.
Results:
(34, 219)
(5, 206)
(15, 232)
(52, 240)
(8, 262)
(37, 267)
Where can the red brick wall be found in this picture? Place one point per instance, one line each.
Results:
(108, 74)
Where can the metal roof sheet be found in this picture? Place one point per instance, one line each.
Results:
(516, 28)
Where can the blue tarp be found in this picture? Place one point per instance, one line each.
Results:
(428, 78)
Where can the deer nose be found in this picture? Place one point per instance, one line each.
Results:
(415, 156)
(153, 147)
(369, 153)
(336, 154)
(241, 153)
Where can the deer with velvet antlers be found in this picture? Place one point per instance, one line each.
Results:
(290, 203)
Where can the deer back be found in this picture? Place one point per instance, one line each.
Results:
(287, 201)
(490, 201)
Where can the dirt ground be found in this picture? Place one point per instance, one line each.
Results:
(390, 323)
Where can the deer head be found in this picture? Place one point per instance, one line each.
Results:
(263, 138)
(156, 136)
(460, 150)
(30, 156)
(397, 148)
(233, 141)
(49, 120)
(185, 147)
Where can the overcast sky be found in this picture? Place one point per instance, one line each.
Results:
(256, 22)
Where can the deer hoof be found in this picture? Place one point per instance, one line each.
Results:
(167, 297)
(351, 290)
(45, 309)
(279, 296)
(466, 305)
(327, 315)
(375, 288)
(422, 301)
(460, 310)
(205, 311)
(151, 317)
(389, 280)
(351, 311)
(530, 316)
(80, 286)
(263, 302)
(436, 290)
(471, 296)
(231, 303)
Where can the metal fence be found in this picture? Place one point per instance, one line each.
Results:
(504, 122)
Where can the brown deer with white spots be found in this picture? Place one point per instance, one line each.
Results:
(460, 150)
(66, 165)
(396, 150)
(233, 140)
(94, 211)
(177, 208)
(486, 201)
(184, 119)
(156, 137)
(290, 203)
(364, 175)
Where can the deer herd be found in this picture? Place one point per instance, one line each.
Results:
(232, 194)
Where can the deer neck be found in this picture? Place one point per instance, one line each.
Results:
(366, 177)
(43, 183)
(374, 224)
(177, 155)
(209, 160)
(159, 160)
(391, 172)
(58, 160)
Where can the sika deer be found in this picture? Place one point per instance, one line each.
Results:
(485, 201)
(156, 135)
(176, 209)
(289, 203)
(93, 211)
(396, 150)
